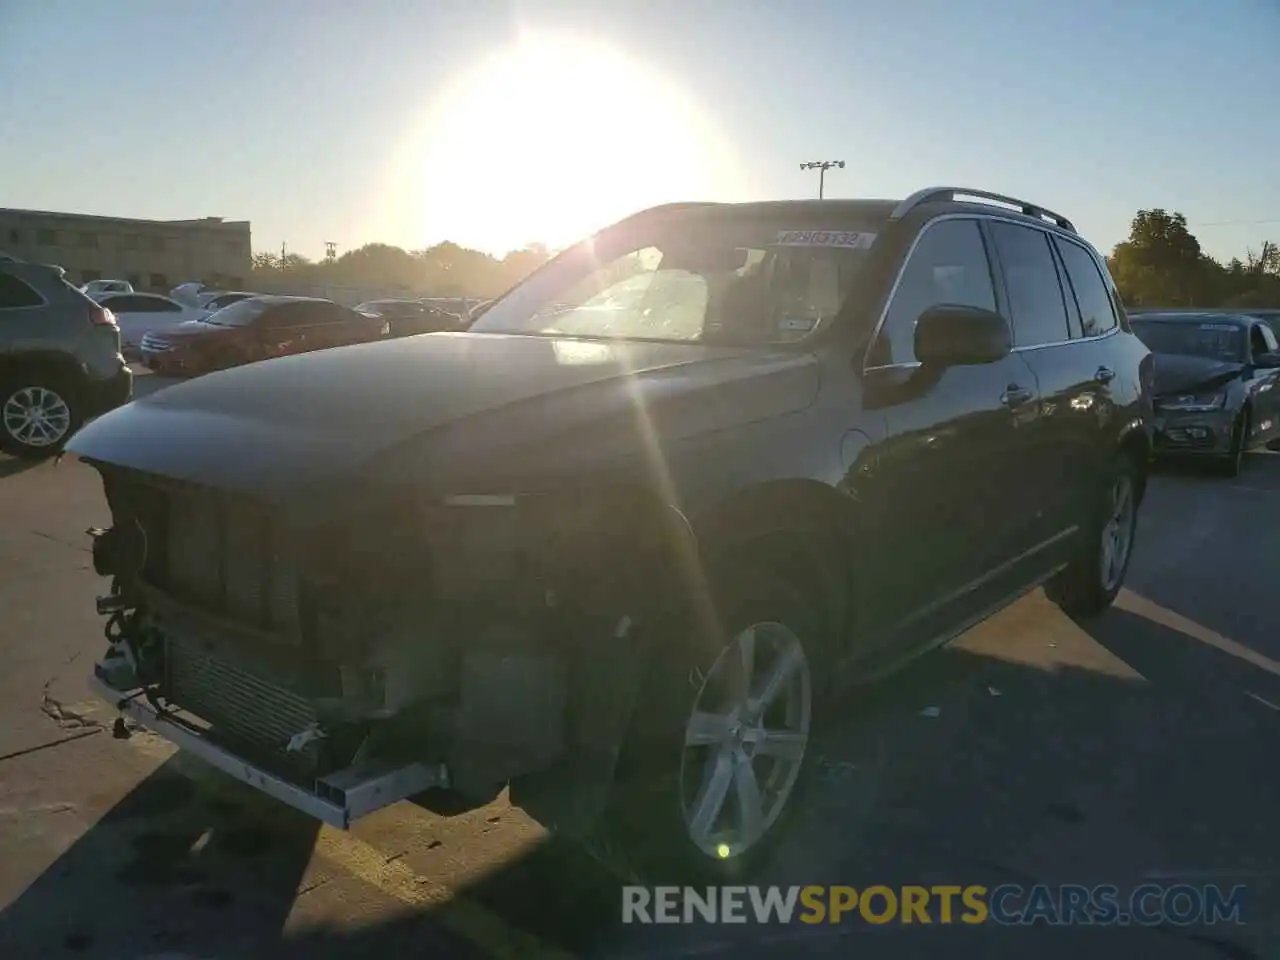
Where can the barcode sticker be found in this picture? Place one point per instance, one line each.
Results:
(850, 240)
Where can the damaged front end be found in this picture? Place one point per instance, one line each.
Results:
(340, 666)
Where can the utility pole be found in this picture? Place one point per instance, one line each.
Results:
(822, 166)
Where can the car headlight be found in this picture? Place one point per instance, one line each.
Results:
(1193, 403)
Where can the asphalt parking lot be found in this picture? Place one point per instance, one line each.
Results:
(1030, 751)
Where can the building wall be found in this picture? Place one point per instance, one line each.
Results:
(151, 254)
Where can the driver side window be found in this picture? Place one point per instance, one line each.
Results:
(948, 265)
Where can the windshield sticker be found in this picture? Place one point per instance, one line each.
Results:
(1225, 327)
(825, 238)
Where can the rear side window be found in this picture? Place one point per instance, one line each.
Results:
(948, 265)
(127, 303)
(14, 293)
(290, 315)
(317, 314)
(1097, 312)
(1038, 311)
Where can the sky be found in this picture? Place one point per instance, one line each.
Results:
(496, 123)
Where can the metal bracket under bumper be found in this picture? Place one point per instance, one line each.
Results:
(337, 799)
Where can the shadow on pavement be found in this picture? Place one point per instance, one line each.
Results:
(11, 466)
(1021, 773)
(171, 868)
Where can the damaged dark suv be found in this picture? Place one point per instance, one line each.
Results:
(621, 545)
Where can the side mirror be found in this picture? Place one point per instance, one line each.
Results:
(1267, 361)
(953, 335)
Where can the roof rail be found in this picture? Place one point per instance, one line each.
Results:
(931, 194)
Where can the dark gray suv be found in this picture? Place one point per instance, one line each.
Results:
(60, 360)
(622, 546)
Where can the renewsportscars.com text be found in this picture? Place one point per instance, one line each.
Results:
(1009, 904)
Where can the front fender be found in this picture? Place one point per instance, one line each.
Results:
(606, 675)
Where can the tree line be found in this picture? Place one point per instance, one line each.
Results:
(1160, 264)
(444, 270)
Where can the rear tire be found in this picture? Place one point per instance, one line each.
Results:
(707, 797)
(39, 412)
(1090, 583)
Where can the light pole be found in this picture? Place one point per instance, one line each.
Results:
(822, 166)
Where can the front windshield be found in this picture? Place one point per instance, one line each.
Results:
(239, 314)
(1216, 340)
(694, 278)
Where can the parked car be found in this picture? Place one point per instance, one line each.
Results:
(408, 317)
(138, 314)
(60, 360)
(99, 287)
(1216, 380)
(625, 570)
(257, 328)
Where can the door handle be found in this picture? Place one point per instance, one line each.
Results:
(1015, 395)
(1104, 375)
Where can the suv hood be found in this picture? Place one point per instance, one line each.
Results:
(270, 427)
(1179, 373)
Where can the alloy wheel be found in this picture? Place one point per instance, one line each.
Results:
(36, 416)
(745, 740)
(1117, 533)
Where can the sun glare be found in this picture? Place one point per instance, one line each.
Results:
(557, 136)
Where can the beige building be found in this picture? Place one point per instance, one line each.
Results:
(154, 255)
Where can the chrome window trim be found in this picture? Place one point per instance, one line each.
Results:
(975, 216)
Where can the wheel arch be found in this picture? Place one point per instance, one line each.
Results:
(742, 528)
(1135, 444)
(798, 528)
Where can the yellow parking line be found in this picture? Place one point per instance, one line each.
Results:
(469, 920)
(1136, 603)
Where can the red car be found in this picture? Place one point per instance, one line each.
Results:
(256, 329)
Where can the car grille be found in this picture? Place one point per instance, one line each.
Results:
(154, 344)
(241, 705)
(231, 559)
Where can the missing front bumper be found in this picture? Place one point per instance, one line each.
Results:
(337, 799)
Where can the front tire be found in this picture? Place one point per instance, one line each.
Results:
(1090, 583)
(1233, 463)
(38, 414)
(710, 799)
